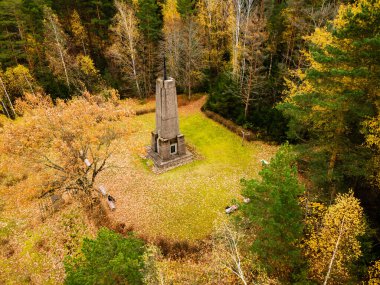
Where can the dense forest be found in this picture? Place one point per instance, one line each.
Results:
(304, 74)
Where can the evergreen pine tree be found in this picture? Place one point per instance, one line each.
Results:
(11, 37)
(186, 7)
(331, 100)
(150, 24)
(108, 259)
(275, 215)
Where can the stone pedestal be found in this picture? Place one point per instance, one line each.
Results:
(168, 148)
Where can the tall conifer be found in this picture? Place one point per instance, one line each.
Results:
(330, 101)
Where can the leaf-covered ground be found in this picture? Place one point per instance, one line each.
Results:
(183, 203)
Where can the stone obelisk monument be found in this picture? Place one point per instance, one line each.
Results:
(168, 148)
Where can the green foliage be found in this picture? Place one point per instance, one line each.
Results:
(11, 42)
(33, 15)
(262, 117)
(275, 214)
(223, 99)
(186, 7)
(109, 259)
(330, 101)
(150, 19)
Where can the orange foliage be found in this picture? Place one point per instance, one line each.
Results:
(54, 141)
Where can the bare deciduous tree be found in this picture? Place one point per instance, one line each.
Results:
(56, 45)
(5, 92)
(252, 76)
(126, 38)
(191, 55)
(226, 250)
(172, 37)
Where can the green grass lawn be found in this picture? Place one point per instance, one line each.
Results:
(183, 203)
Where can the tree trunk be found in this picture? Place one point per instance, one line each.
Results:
(84, 48)
(30, 85)
(248, 94)
(189, 50)
(330, 172)
(334, 253)
(9, 99)
(60, 51)
(247, 18)
(236, 37)
(5, 109)
(127, 26)
(234, 251)
(270, 65)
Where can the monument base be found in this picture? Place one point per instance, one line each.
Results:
(176, 160)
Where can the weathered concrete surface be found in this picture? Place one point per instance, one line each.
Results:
(161, 166)
(167, 148)
(166, 109)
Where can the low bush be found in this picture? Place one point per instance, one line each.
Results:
(248, 135)
(108, 259)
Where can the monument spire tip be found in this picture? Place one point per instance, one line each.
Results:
(165, 76)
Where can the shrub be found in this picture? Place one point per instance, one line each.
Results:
(108, 259)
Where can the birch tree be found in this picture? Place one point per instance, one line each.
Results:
(172, 37)
(56, 46)
(214, 17)
(63, 64)
(124, 50)
(6, 101)
(227, 252)
(191, 49)
(19, 80)
(253, 53)
(191, 55)
(14, 83)
(249, 41)
(333, 248)
(242, 13)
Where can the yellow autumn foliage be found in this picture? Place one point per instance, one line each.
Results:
(18, 80)
(374, 274)
(77, 28)
(336, 239)
(372, 127)
(216, 20)
(86, 65)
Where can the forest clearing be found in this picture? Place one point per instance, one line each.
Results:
(164, 142)
(181, 205)
(184, 202)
